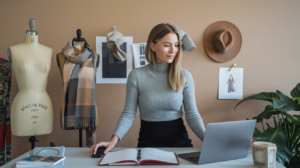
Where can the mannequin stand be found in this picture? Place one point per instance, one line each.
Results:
(80, 137)
(32, 140)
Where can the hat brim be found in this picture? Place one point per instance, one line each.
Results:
(208, 41)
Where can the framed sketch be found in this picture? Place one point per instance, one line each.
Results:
(110, 69)
(139, 57)
(231, 83)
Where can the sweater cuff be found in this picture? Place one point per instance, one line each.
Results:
(119, 133)
(117, 136)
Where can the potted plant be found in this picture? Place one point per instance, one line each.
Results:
(286, 130)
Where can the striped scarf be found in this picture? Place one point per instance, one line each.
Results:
(78, 107)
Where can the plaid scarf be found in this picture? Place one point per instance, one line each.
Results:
(78, 109)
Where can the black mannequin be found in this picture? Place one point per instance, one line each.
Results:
(79, 38)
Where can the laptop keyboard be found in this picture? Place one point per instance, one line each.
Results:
(194, 158)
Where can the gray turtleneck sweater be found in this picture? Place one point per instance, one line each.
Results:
(148, 87)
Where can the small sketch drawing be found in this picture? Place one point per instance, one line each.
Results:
(230, 84)
(142, 55)
(138, 50)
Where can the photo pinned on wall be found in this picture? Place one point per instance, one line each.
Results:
(111, 70)
(231, 83)
(139, 57)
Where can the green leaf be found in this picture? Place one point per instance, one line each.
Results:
(298, 148)
(297, 98)
(266, 96)
(266, 114)
(277, 136)
(298, 108)
(296, 91)
(283, 97)
(268, 124)
(256, 130)
(297, 131)
(275, 122)
(281, 105)
(295, 118)
(274, 135)
(284, 155)
(280, 122)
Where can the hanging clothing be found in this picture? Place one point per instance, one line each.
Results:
(5, 131)
(78, 106)
(230, 85)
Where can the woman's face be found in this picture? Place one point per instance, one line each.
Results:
(166, 48)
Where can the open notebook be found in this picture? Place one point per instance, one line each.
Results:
(133, 156)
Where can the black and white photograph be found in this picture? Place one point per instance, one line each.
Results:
(111, 70)
(112, 67)
(139, 55)
(231, 83)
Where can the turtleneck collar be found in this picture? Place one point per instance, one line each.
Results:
(160, 67)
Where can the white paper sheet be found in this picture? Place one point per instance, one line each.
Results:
(117, 156)
(231, 83)
(156, 154)
(139, 57)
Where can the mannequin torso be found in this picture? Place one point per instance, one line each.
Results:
(32, 111)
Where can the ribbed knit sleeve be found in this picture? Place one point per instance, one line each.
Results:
(128, 115)
(192, 115)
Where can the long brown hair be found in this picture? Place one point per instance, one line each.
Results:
(176, 78)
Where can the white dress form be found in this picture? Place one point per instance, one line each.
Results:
(32, 111)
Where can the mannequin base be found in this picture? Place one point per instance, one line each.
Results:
(32, 140)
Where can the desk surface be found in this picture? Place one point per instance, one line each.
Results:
(80, 157)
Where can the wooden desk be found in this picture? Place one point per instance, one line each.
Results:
(80, 158)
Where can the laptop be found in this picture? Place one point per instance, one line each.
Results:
(223, 141)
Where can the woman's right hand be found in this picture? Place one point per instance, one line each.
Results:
(109, 145)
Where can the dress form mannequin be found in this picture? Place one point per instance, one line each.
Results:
(78, 48)
(74, 85)
(32, 111)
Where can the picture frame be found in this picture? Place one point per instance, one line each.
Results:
(231, 83)
(111, 70)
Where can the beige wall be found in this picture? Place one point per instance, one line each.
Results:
(269, 54)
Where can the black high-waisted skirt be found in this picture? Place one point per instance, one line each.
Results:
(163, 134)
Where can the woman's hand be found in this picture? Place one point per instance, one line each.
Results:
(109, 145)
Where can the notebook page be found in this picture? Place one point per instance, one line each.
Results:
(121, 155)
(156, 154)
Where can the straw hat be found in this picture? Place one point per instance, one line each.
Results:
(222, 41)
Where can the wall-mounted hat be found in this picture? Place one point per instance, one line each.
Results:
(186, 41)
(114, 41)
(222, 41)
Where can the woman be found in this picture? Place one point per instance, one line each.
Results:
(159, 89)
